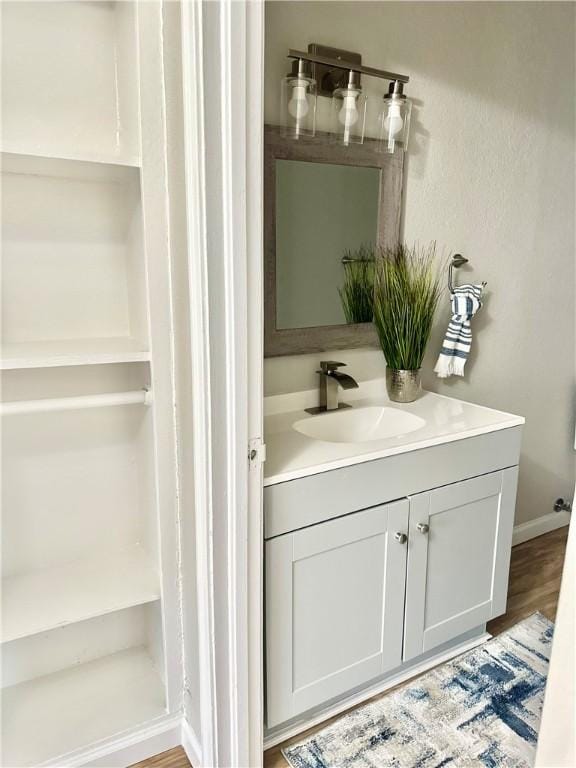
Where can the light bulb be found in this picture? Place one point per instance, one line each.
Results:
(393, 121)
(298, 104)
(348, 114)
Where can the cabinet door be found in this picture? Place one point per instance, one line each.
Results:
(334, 607)
(460, 538)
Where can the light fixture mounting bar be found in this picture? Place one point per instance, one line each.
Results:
(347, 65)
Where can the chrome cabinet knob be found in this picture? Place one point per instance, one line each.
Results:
(401, 538)
(422, 528)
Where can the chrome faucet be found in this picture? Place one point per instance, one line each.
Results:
(330, 380)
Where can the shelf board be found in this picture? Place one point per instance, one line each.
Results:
(51, 354)
(78, 706)
(50, 598)
(129, 161)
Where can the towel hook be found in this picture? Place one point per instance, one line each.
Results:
(457, 261)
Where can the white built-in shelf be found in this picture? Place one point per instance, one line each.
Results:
(48, 153)
(73, 271)
(55, 597)
(51, 354)
(55, 714)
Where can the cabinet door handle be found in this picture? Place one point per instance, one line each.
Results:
(401, 538)
(422, 528)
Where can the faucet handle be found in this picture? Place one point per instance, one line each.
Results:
(328, 366)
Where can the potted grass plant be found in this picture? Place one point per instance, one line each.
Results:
(357, 291)
(406, 293)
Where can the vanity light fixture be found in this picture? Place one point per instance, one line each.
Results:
(299, 101)
(337, 73)
(394, 119)
(349, 111)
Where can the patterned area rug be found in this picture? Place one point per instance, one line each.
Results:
(480, 709)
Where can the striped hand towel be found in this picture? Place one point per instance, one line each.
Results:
(456, 345)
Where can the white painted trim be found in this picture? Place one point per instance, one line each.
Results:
(223, 70)
(195, 176)
(374, 690)
(539, 526)
(191, 745)
(158, 279)
(128, 748)
(254, 141)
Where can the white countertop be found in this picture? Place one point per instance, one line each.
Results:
(290, 454)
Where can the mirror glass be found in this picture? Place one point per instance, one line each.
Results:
(323, 212)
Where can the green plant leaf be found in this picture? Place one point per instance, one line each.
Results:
(357, 292)
(406, 294)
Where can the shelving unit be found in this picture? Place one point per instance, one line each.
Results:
(80, 705)
(90, 620)
(54, 597)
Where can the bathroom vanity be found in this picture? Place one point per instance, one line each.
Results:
(388, 532)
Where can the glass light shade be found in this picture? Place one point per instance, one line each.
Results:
(394, 120)
(348, 115)
(298, 93)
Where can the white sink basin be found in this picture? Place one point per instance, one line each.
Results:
(359, 425)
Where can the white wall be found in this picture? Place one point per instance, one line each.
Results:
(556, 738)
(490, 173)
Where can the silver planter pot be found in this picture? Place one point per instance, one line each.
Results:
(403, 386)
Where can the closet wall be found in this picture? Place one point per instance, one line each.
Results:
(90, 624)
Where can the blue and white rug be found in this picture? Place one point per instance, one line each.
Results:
(480, 709)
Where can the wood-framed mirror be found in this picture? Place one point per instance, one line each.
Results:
(321, 201)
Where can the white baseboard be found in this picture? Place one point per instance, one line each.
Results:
(545, 524)
(191, 745)
(128, 748)
(136, 745)
(367, 693)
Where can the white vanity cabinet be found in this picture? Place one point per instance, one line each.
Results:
(364, 592)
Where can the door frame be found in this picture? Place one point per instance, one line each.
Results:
(223, 68)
